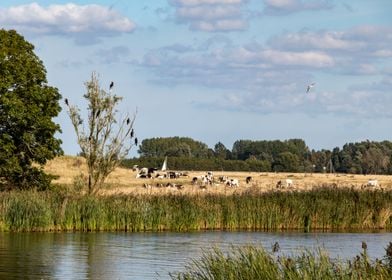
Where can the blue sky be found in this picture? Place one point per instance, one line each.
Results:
(222, 70)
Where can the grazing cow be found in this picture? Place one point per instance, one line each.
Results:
(222, 179)
(142, 172)
(248, 179)
(160, 176)
(173, 185)
(372, 183)
(135, 167)
(184, 173)
(146, 172)
(287, 183)
(204, 180)
(173, 175)
(194, 180)
(232, 183)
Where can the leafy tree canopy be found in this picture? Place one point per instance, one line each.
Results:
(173, 146)
(27, 106)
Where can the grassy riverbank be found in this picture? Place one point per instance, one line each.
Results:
(257, 263)
(320, 209)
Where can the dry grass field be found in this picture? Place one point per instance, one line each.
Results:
(70, 168)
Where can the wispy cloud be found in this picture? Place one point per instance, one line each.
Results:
(118, 54)
(356, 51)
(211, 15)
(284, 7)
(272, 77)
(92, 21)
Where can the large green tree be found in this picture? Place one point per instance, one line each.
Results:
(27, 106)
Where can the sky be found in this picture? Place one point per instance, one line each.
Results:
(222, 70)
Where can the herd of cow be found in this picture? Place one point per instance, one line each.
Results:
(208, 179)
(202, 181)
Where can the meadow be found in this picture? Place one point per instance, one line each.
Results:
(71, 170)
(325, 202)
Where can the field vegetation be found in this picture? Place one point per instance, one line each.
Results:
(256, 263)
(315, 202)
(125, 205)
(71, 171)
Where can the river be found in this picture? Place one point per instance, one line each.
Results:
(108, 255)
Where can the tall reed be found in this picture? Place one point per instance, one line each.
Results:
(321, 209)
(256, 263)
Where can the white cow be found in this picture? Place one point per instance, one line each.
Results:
(372, 183)
(286, 183)
(232, 183)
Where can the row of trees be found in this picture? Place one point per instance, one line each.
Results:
(291, 156)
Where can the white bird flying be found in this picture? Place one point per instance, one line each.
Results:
(309, 87)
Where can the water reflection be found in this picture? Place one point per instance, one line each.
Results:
(152, 255)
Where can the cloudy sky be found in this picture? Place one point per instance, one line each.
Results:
(222, 70)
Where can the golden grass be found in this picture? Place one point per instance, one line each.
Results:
(124, 180)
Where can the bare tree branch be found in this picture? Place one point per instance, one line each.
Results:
(106, 142)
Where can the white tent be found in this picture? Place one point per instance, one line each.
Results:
(164, 165)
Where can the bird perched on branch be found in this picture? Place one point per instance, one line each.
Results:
(66, 101)
(111, 85)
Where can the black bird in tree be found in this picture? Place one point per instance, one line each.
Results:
(136, 141)
(66, 101)
(128, 120)
(111, 85)
(132, 133)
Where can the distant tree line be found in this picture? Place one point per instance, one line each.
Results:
(293, 155)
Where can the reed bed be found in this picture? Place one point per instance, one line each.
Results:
(256, 263)
(327, 209)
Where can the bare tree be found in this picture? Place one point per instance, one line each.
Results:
(106, 139)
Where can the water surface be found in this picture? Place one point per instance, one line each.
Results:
(153, 255)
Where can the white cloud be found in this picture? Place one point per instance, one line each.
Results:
(69, 19)
(211, 15)
(273, 77)
(383, 53)
(204, 2)
(310, 58)
(322, 40)
(219, 25)
(283, 7)
(281, 4)
(208, 13)
(356, 51)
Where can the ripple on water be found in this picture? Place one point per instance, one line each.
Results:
(153, 255)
